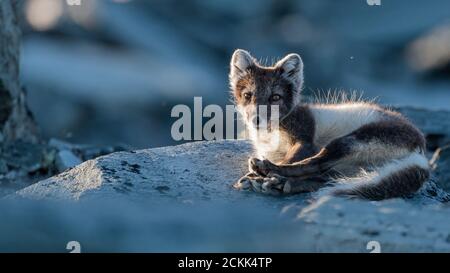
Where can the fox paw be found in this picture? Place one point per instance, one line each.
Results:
(243, 184)
(273, 185)
(262, 167)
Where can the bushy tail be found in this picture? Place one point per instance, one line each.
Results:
(398, 178)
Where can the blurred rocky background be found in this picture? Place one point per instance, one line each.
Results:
(108, 72)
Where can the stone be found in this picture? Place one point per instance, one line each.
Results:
(66, 159)
(151, 196)
(191, 171)
(191, 185)
(24, 156)
(440, 164)
(3, 167)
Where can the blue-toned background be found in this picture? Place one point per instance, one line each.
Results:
(108, 72)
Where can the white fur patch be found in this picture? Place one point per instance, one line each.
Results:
(270, 145)
(336, 120)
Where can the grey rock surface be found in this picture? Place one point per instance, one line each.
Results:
(440, 163)
(180, 198)
(66, 159)
(199, 171)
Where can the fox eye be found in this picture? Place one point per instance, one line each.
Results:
(275, 97)
(247, 96)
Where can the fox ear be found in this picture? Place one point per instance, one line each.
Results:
(292, 69)
(240, 62)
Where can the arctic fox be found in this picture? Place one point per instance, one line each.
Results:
(355, 148)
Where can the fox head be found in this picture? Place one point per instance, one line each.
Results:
(254, 85)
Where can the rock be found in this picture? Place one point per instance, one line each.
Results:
(440, 163)
(189, 172)
(152, 196)
(250, 225)
(172, 172)
(23, 156)
(194, 171)
(66, 159)
(3, 167)
(23, 163)
(341, 225)
(60, 144)
(190, 185)
(84, 151)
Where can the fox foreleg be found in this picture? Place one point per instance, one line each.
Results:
(278, 185)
